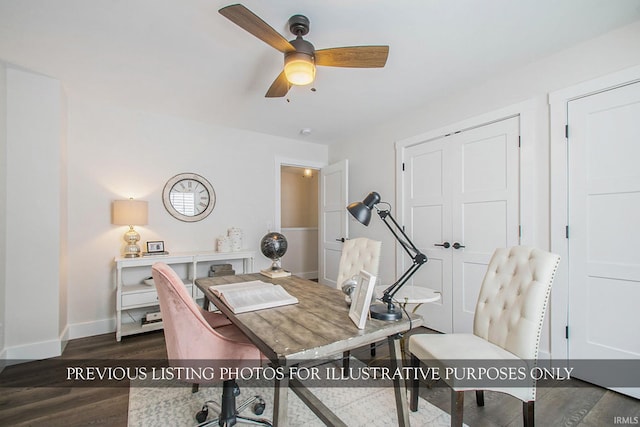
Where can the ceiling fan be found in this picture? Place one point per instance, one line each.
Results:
(300, 57)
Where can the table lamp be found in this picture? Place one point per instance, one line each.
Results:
(362, 212)
(130, 212)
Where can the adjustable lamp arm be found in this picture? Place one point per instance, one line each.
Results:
(361, 211)
(410, 248)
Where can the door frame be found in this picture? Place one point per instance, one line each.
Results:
(559, 174)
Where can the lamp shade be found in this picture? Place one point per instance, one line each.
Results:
(129, 212)
(299, 69)
(362, 210)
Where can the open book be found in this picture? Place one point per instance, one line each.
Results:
(252, 296)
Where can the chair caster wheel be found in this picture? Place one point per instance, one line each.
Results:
(202, 415)
(258, 407)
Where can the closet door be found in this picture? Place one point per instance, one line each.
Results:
(485, 207)
(427, 215)
(460, 202)
(603, 206)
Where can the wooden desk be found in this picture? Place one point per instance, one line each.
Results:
(316, 328)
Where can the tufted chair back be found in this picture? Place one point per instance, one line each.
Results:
(358, 254)
(513, 299)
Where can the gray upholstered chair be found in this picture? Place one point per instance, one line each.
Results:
(506, 331)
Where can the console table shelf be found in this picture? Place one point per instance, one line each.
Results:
(133, 297)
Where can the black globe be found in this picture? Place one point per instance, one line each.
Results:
(273, 246)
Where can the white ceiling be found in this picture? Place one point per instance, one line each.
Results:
(182, 57)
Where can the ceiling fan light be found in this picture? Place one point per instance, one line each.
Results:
(299, 69)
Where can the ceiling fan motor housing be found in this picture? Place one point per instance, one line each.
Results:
(299, 25)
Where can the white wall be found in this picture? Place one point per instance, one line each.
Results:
(117, 153)
(33, 264)
(609, 53)
(3, 206)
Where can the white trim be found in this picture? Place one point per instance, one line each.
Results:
(558, 104)
(88, 329)
(307, 274)
(32, 351)
(300, 228)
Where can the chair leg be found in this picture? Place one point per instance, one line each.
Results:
(528, 413)
(415, 385)
(345, 360)
(457, 404)
(480, 397)
(195, 387)
(372, 349)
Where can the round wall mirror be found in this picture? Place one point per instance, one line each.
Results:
(189, 197)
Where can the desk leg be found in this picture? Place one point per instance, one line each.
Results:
(281, 402)
(395, 352)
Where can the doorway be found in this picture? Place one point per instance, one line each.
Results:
(299, 219)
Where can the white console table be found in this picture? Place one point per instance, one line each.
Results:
(133, 297)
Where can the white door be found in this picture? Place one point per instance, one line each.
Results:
(333, 221)
(485, 173)
(427, 219)
(460, 203)
(604, 228)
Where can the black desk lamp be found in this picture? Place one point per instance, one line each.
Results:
(362, 212)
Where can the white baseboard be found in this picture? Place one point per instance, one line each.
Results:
(88, 329)
(53, 348)
(307, 274)
(32, 351)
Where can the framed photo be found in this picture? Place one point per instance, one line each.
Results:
(155, 247)
(361, 299)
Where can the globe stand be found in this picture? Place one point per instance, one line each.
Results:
(275, 271)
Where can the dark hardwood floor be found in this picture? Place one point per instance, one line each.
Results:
(22, 404)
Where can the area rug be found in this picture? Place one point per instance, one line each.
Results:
(356, 406)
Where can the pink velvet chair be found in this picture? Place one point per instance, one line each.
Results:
(195, 337)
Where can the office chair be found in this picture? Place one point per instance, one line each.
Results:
(506, 330)
(193, 335)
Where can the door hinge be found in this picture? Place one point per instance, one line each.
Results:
(566, 131)
(566, 231)
(519, 231)
(566, 332)
(519, 141)
(402, 166)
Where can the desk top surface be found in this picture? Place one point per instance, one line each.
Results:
(317, 327)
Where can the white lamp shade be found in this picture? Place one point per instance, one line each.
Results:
(129, 212)
(299, 69)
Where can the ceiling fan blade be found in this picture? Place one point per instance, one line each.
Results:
(249, 21)
(279, 87)
(354, 56)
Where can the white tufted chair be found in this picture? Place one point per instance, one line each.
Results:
(358, 254)
(506, 331)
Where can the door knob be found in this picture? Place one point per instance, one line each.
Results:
(457, 245)
(444, 245)
(341, 239)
